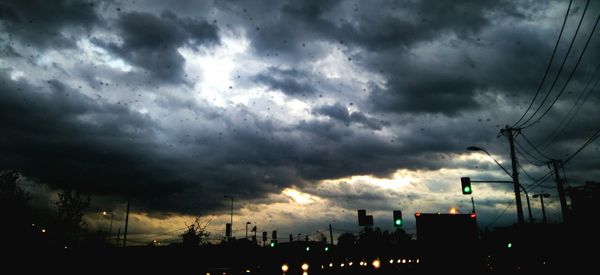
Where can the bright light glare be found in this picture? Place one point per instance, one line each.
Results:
(304, 266)
(285, 268)
(376, 263)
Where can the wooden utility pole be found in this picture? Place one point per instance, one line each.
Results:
(126, 223)
(560, 188)
(509, 132)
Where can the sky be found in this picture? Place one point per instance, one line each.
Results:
(302, 111)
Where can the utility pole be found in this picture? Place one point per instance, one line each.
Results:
(528, 205)
(473, 203)
(560, 187)
(118, 239)
(542, 195)
(331, 234)
(543, 210)
(126, 223)
(509, 133)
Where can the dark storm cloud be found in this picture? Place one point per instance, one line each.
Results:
(408, 22)
(58, 136)
(341, 113)
(385, 35)
(47, 24)
(426, 92)
(291, 82)
(151, 42)
(441, 76)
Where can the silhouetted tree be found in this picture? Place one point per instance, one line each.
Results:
(195, 234)
(346, 240)
(70, 207)
(371, 239)
(10, 191)
(397, 237)
(14, 204)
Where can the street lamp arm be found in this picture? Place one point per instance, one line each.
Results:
(474, 148)
(496, 161)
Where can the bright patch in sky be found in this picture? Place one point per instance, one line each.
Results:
(100, 56)
(215, 68)
(398, 180)
(299, 197)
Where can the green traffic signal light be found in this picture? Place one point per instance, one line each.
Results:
(467, 190)
(509, 245)
(307, 248)
(397, 218)
(466, 185)
(326, 248)
(272, 244)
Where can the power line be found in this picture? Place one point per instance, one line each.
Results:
(533, 146)
(587, 43)
(501, 214)
(525, 172)
(585, 144)
(583, 97)
(542, 180)
(519, 146)
(548, 66)
(562, 65)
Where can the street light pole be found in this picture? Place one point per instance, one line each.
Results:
(104, 213)
(231, 222)
(542, 196)
(247, 223)
(514, 175)
(528, 205)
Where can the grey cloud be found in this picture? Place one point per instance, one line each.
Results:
(47, 23)
(58, 136)
(341, 113)
(151, 42)
(291, 82)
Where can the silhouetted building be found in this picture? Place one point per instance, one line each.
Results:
(584, 202)
(436, 227)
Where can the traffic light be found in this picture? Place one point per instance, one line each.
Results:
(273, 243)
(274, 235)
(264, 236)
(326, 248)
(397, 218)
(364, 219)
(466, 185)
